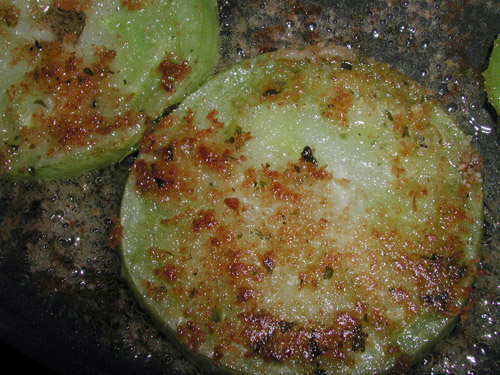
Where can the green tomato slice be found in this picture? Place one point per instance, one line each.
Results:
(492, 76)
(305, 211)
(79, 85)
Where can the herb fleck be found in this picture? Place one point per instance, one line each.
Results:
(307, 155)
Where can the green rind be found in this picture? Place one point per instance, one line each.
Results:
(492, 76)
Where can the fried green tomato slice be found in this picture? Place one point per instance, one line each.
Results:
(304, 212)
(492, 76)
(80, 80)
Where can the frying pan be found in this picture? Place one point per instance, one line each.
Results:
(62, 300)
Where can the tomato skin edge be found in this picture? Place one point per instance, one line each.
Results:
(492, 76)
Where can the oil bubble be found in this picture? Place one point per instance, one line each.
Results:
(24, 280)
(57, 216)
(311, 26)
(66, 241)
(482, 349)
(429, 360)
(442, 89)
(452, 107)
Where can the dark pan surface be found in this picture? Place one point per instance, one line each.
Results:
(62, 301)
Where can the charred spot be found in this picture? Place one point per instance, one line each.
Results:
(64, 22)
(314, 347)
(346, 65)
(164, 178)
(285, 326)
(438, 301)
(88, 71)
(38, 45)
(239, 138)
(307, 155)
(358, 339)
(271, 92)
(160, 183)
(193, 293)
(167, 111)
(449, 266)
(260, 329)
(9, 15)
(165, 153)
(277, 340)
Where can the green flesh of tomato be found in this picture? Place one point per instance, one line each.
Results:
(295, 216)
(76, 99)
(492, 76)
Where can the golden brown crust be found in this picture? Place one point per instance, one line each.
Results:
(172, 175)
(76, 90)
